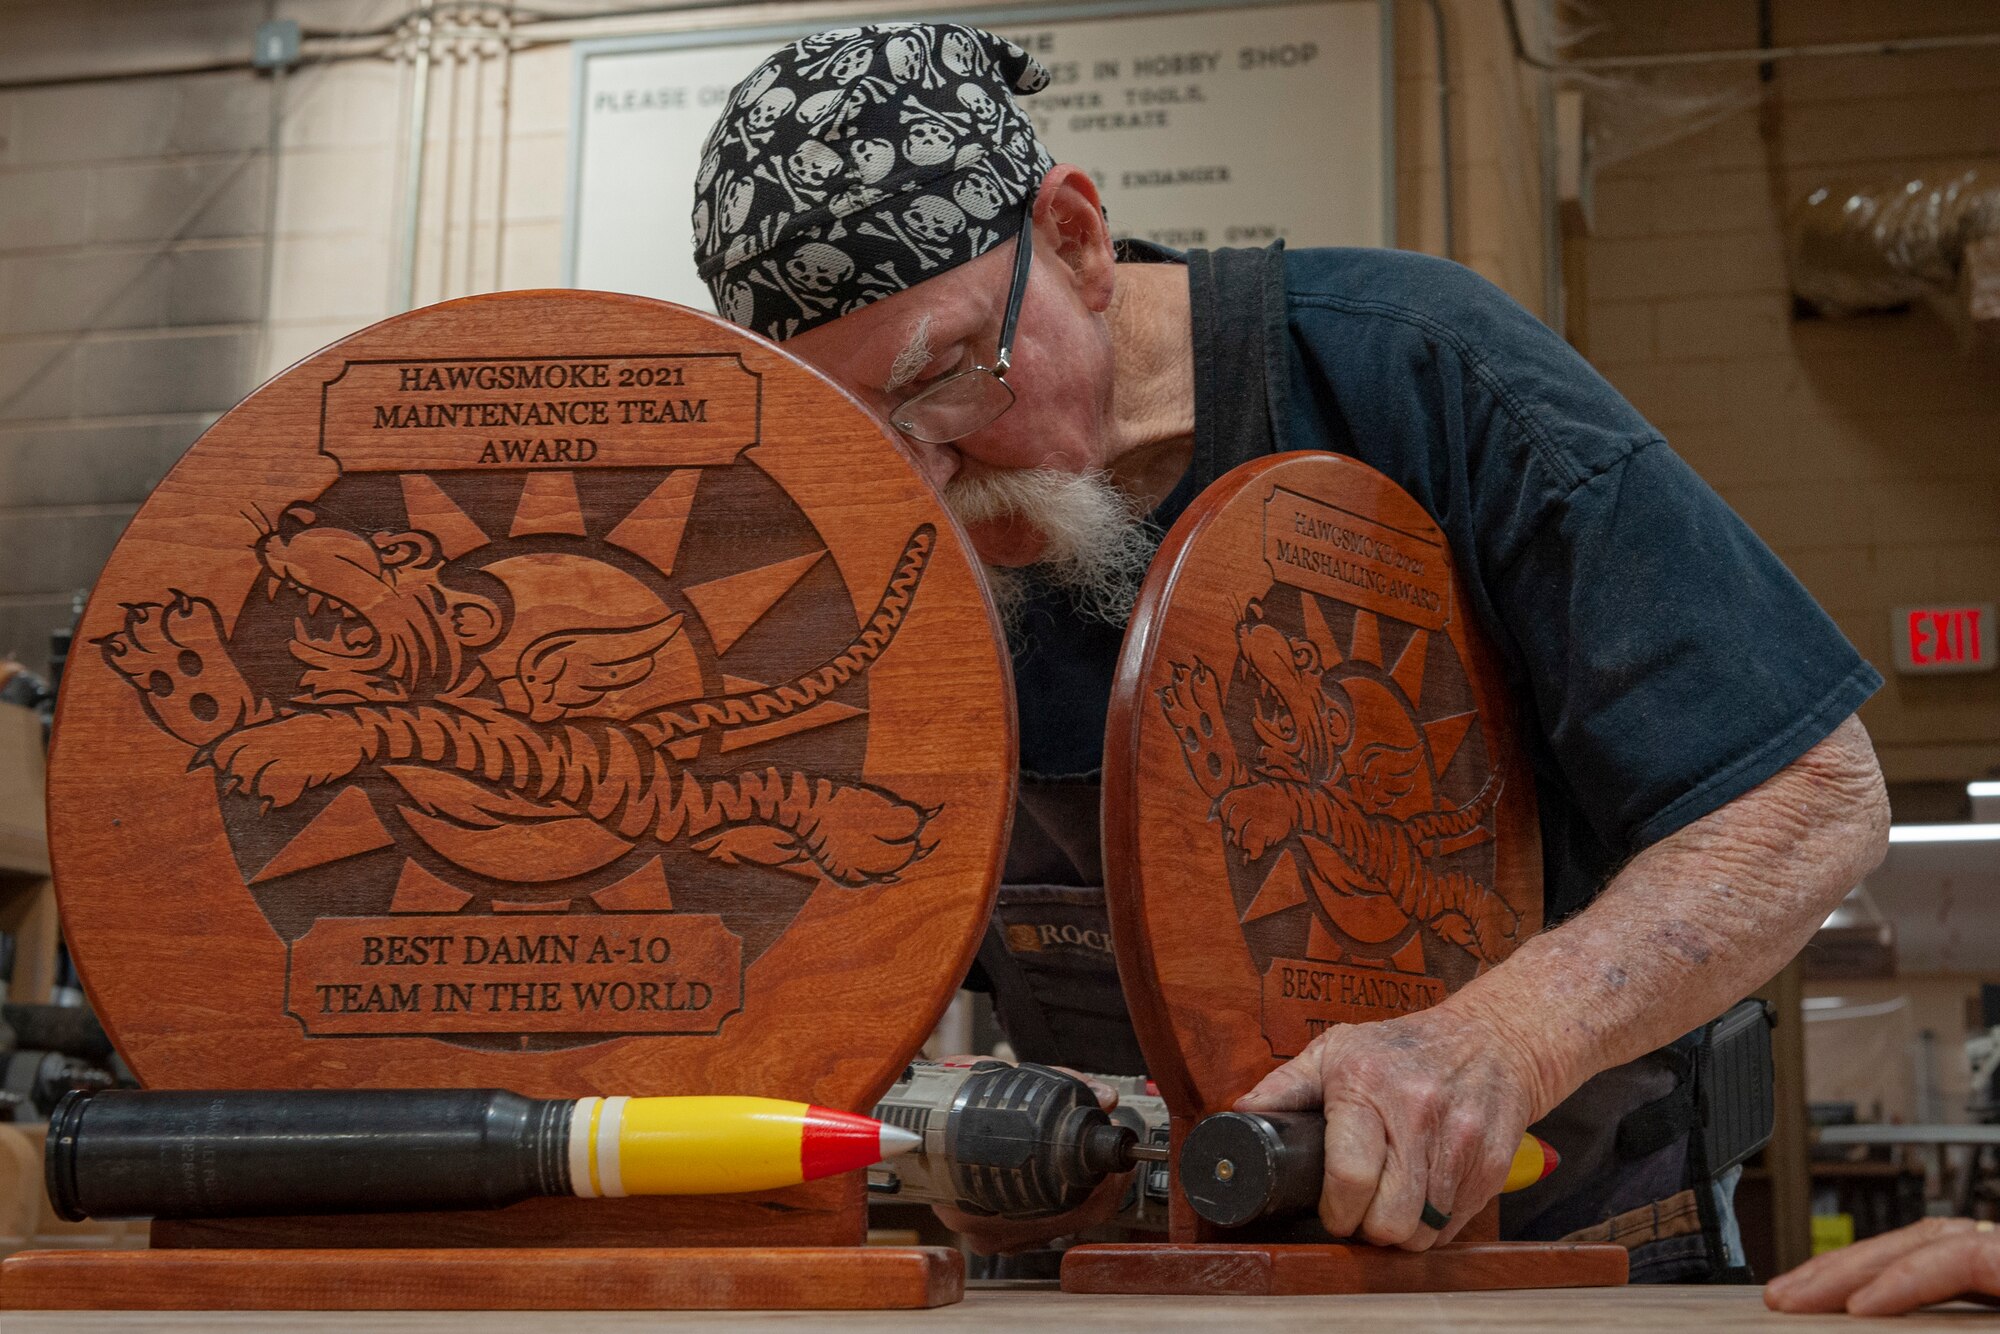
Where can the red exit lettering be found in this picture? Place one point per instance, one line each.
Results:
(1945, 635)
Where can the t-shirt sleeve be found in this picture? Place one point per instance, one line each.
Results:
(1674, 661)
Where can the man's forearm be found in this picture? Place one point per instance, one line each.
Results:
(1691, 924)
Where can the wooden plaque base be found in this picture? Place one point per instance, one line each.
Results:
(1225, 1269)
(622, 1279)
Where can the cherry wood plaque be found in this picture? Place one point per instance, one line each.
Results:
(1224, 1269)
(1316, 812)
(555, 691)
(563, 1279)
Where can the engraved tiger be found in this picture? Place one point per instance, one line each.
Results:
(1317, 780)
(567, 770)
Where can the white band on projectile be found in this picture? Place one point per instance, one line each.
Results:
(608, 1125)
(579, 1147)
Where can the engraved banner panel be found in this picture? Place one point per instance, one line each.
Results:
(548, 412)
(601, 973)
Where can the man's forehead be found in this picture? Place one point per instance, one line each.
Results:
(940, 307)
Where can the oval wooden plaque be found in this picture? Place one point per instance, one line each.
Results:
(1316, 811)
(557, 691)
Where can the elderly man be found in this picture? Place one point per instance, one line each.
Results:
(875, 199)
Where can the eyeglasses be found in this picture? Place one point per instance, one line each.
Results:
(976, 397)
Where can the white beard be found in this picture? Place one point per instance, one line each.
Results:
(1097, 544)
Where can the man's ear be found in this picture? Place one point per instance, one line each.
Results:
(1069, 210)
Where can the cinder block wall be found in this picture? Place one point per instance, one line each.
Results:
(131, 254)
(134, 222)
(1495, 127)
(1866, 451)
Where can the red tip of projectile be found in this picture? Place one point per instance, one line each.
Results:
(834, 1141)
(1551, 1160)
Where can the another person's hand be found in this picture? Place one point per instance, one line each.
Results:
(1427, 1108)
(990, 1235)
(1937, 1260)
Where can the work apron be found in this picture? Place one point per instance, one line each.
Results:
(1047, 953)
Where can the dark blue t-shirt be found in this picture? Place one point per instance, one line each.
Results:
(1663, 660)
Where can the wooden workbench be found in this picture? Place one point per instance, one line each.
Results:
(1013, 1306)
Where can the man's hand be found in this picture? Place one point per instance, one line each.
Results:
(1937, 1260)
(1432, 1105)
(987, 1234)
(1428, 1107)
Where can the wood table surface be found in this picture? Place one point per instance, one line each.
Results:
(1026, 1305)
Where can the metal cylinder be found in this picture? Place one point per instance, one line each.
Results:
(1018, 1141)
(70, 1029)
(128, 1154)
(1237, 1167)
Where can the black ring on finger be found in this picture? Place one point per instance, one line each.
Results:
(1433, 1217)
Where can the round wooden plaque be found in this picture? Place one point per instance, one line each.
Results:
(1316, 812)
(557, 691)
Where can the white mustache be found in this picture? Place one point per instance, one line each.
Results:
(1096, 544)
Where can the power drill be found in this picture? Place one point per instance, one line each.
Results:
(1022, 1141)
(1027, 1141)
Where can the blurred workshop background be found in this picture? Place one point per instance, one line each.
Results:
(1773, 224)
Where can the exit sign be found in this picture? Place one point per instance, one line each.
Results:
(1944, 639)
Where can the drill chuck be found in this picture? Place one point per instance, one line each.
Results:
(1019, 1141)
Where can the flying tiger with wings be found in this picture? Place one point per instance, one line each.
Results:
(578, 760)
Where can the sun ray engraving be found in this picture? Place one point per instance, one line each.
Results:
(347, 827)
(1446, 735)
(653, 530)
(1320, 943)
(1281, 889)
(819, 715)
(1409, 669)
(1316, 631)
(645, 890)
(548, 505)
(731, 605)
(1367, 644)
(432, 511)
(417, 890)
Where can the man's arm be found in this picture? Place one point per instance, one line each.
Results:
(1431, 1106)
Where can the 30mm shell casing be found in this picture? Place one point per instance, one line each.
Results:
(133, 1154)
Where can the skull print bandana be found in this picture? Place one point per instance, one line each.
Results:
(854, 164)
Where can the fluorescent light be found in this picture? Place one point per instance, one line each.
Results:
(1984, 788)
(1944, 833)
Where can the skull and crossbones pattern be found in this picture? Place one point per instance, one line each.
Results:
(857, 162)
